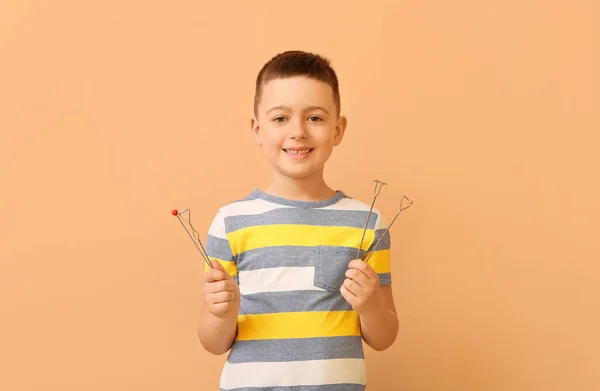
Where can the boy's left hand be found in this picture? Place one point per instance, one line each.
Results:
(361, 287)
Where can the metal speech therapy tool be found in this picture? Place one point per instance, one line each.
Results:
(378, 186)
(200, 247)
(410, 202)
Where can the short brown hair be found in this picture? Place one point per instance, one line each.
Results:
(297, 63)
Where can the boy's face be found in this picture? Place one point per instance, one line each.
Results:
(297, 125)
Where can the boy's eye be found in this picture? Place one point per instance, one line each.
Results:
(314, 118)
(279, 119)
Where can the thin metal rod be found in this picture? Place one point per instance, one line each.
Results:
(203, 254)
(389, 226)
(376, 194)
(189, 221)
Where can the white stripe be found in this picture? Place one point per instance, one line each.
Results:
(295, 373)
(250, 207)
(381, 222)
(259, 205)
(349, 204)
(277, 279)
(217, 227)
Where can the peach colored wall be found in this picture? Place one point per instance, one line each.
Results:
(112, 113)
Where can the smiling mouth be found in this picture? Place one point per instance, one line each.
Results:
(298, 151)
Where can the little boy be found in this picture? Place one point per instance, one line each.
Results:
(287, 293)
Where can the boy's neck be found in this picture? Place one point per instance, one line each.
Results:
(304, 189)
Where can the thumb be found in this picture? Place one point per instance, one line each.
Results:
(217, 265)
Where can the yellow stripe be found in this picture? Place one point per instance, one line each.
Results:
(229, 266)
(380, 261)
(255, 237)
(298, 325)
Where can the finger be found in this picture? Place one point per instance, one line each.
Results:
(352, 287)
(215, 275)
(220, 308)
(217, 265)
(358, 277)
(218, 286)
(364, 267)
(221, 297)
(349, 296)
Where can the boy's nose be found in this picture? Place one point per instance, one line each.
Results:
(299, 130)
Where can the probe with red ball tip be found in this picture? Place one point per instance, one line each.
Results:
(200, 248)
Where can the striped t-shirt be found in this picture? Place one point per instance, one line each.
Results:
(295, 332)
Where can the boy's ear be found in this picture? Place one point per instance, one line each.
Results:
(340, 130)
(255, 130)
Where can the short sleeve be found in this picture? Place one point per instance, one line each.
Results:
(380, 259)
(217, 245)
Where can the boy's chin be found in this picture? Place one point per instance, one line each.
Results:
(301, 173)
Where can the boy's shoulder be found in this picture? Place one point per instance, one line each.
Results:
(248, 203)
(257, 202)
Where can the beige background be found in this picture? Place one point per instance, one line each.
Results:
(113, 113)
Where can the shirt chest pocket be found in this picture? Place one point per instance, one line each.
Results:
(331, 263)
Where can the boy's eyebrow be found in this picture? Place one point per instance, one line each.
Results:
(309, 108)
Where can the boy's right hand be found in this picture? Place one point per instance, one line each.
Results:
(221, 293)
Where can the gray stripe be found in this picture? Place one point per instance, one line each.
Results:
(257, 193)
(276, 256)
(218, 248)
(293, 301)
(291, 256)
(324, 387)
(315, 217)
(385, 242)
(297, 349)
(249, 197)
(385, 278)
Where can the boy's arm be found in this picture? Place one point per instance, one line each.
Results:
(217, 334)
(379, 324)
(218, 320)
(374, 304)
(368, 289)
